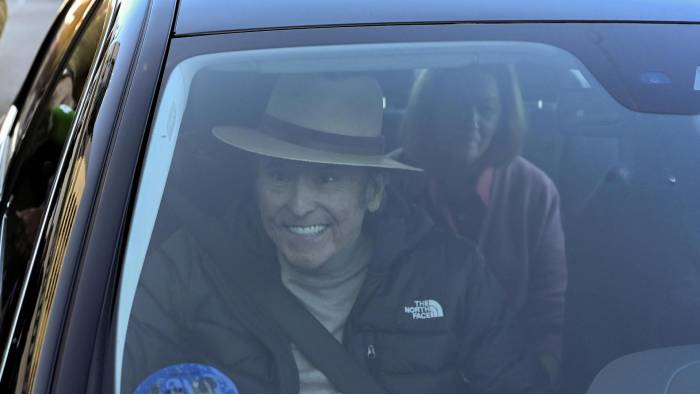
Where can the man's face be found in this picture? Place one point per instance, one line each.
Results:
(312, 211)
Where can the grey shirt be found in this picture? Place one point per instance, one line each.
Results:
(329, 293)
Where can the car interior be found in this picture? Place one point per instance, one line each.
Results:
(626, 180)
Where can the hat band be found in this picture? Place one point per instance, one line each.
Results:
(314, 139)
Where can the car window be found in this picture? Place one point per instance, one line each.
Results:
(500, 215)
(33, 168)
(70, 23)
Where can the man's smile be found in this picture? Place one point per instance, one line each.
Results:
(310, 230)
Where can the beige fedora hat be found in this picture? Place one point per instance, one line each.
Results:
(319, 120)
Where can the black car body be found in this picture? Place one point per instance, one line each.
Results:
(60, 291)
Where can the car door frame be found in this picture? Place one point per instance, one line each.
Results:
(83, 307)
(46, 67)
(28, 381)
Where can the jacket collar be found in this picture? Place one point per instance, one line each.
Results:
(396, 228)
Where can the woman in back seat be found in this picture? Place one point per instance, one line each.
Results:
(464, 126)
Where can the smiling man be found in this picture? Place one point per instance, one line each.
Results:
(313, 212)
(413, 306)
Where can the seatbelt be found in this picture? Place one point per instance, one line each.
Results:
(312, 339)
(279, 305)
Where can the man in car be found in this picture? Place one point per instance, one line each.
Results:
(410, 304)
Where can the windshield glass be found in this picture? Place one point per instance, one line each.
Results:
(495, 215)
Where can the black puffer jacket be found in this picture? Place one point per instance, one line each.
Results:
(429, 319)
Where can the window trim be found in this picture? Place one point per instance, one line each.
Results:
(53, 193)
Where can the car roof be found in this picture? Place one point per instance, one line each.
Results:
(202, 16)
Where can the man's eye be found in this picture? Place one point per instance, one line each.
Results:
(278, 177)
(487, 111)
(328, 178)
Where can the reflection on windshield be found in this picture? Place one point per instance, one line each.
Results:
(370, 219)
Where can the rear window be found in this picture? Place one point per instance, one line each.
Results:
(495, 214)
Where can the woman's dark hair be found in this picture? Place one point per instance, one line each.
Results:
(429, 91)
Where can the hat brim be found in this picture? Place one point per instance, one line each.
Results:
(253, 141)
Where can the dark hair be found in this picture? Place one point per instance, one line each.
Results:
(426, 95)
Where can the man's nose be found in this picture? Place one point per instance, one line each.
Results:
(303, 198)
(473, 118)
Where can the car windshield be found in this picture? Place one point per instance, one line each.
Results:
(491, 213)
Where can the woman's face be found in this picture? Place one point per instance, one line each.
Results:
(467, 117)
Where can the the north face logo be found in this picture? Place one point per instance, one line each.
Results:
(425, 309)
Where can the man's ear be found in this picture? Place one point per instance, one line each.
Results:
(375, 191)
